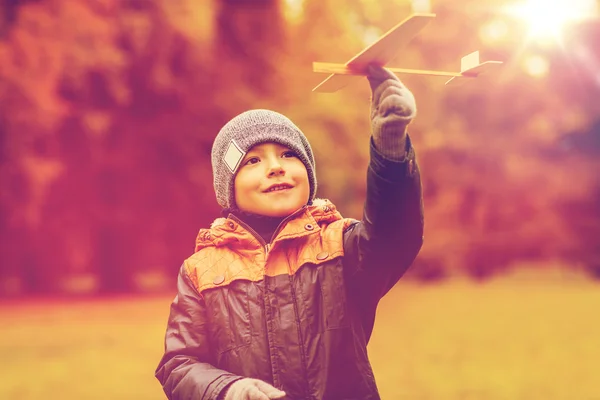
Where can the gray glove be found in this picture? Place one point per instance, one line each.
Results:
(393, 107)
(252, 389)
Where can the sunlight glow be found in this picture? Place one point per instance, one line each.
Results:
(536, 66)
(494, 31)
(421, 6)
(548, 18)
(293, 9)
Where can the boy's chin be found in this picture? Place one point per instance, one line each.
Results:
(279, 208)
(278, 211)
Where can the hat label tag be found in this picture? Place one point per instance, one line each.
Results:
(233, 156)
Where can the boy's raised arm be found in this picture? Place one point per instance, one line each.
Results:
(390, 235)
(186, 370)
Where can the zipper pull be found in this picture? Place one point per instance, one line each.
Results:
(267, 247)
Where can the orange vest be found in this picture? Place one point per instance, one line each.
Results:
(228, 251)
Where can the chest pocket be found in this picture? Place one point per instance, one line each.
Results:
(228, 311)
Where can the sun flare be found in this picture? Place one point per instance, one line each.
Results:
(549, 18)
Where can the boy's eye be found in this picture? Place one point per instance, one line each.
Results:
(288, 154)
(251, 160)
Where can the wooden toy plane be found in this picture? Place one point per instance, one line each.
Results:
(384, 49)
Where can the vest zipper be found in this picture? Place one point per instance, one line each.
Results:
(262, 242)
(266, 246)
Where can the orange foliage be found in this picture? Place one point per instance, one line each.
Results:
(108, 110)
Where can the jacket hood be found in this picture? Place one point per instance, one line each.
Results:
(228, 232)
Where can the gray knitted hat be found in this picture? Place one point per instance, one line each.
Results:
(249, 129)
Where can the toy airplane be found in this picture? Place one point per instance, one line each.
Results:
(384, 49)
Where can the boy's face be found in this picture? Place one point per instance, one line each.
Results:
(271, 181)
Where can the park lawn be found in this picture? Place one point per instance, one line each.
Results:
(500, 340)
(505, 339)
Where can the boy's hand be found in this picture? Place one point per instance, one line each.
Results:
(392, 108)
(252, 389)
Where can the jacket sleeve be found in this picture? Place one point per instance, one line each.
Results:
(380, 248)
(186, 370)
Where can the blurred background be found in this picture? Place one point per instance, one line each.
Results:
(108, 109)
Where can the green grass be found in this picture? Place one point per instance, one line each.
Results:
(505, 339)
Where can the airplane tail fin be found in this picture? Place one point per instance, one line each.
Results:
(470, 66)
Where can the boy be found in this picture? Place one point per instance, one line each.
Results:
(279, 299)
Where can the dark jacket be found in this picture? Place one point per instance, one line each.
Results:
(298, 312)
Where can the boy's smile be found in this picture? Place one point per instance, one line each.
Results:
(271, 181)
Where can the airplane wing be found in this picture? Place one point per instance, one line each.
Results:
(383, 50)
(333, 83)
(379, 52)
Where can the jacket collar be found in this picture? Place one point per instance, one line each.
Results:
(230, 232)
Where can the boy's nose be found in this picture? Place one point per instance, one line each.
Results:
(275, 169)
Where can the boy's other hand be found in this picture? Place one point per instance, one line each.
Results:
(392, 105)
(252, 389)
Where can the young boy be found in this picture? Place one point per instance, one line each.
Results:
(279, 299)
